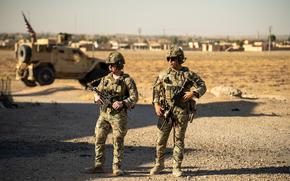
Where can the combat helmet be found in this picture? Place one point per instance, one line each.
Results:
(116, 58)
(176, 52)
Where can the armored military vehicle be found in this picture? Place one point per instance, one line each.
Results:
(41, 61)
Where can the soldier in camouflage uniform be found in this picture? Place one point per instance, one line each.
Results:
(114, 118)
(182, 111)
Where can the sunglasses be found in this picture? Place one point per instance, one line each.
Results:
(171, 59)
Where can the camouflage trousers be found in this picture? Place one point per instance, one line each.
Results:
(179, 123)
(117, 123)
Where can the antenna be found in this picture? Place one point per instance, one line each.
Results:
(258, 35)
(269, 47)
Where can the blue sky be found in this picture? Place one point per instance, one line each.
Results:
(154, 17)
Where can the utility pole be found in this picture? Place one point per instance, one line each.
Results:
(139, 31)
(163, 31)
(269, 47)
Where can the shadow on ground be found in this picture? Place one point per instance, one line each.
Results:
(240, 171)
(35, 132)
(241, 108)
(62, 119)
(135, 157)
(47, 91)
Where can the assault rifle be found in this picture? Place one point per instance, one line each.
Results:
(178, 93)
(106, 98)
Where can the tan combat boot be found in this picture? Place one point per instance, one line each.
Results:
(176, 171)
(158, 167)
(117, 171)
(93, 170)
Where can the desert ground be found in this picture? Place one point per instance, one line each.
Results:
(50, 134)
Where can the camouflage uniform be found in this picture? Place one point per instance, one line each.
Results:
(165, 84)
(116, 120)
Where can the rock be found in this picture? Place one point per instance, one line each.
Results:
(223, 90)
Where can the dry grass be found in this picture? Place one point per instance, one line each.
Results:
(254, 73)
(7, 63)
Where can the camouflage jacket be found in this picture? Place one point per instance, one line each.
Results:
(170, 79)
(124, 87)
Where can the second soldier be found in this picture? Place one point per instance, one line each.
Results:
(173, 94)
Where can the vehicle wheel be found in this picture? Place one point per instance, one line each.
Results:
(24, 53)
(28, 83)
(44, 75)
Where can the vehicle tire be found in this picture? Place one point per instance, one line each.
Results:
(24, 53)
(28, 83)
(44, 75)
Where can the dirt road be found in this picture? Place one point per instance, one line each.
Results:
(49, 136)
